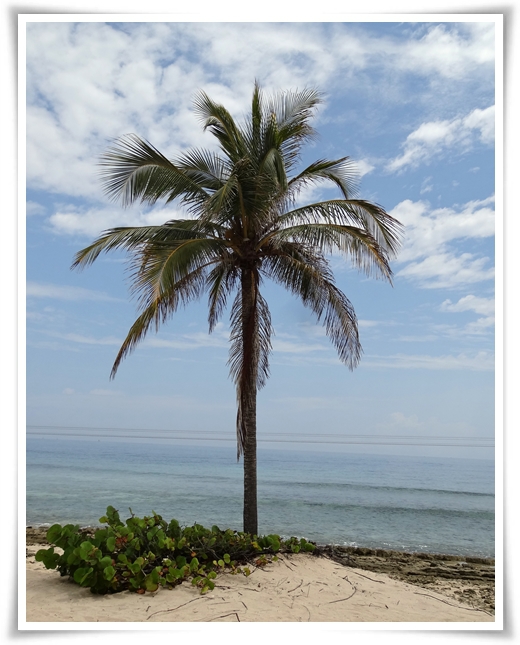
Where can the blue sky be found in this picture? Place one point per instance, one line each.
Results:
(412, 103)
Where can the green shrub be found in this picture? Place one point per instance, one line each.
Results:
(142, 554)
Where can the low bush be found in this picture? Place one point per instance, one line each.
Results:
(142, 554)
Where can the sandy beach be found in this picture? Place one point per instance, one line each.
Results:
(336, 587)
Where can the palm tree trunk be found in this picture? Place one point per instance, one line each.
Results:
(248, 390)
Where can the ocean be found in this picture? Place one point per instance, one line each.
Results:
(417, 504)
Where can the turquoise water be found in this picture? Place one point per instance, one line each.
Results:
(406, 503)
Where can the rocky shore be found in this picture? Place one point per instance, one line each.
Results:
(468, 580)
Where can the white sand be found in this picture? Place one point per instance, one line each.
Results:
(297, 588)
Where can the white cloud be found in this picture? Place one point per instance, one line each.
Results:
(446, 270)
(91, 222)
(434, 138)
(102, 392)
(426, 186)
(60, 292)
(450, 51)
(308, 402)
(428, 250)
(310, 194)
(482, 361)
(188, 341)
(429, 230)
(484, 306)
(480, 326)
(425, 338)
(282, 343)
(89, 340)
(33, 208)
(364, 167)
(290, 347)
(430, 428)
(368, 323)
(398, 420)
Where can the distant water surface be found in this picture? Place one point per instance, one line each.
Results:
(405, 503)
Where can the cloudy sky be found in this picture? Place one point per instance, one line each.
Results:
(413, 103)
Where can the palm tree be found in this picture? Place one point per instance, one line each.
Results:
(244, 225)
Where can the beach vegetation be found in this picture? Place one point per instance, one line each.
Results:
(143, 554)
(245, 224)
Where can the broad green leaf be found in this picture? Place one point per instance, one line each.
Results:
(54, 533)
(111, 543)
(82, 574)
(150, 584)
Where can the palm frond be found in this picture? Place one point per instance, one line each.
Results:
(293, 110)
(158, 309)
(341, 172)
(254, 128)
(220, 283)
(135, 334)
(222, 206)
(372, 218)
(133, 238)
(132, 169)
(237, 363)
(221, 124)
(128, 238)
(273, 166)
(357, 245)
(160, 267)
(307, 275)
(250, 346)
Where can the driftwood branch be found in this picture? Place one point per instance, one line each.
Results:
(342, 599)
(297, 586)
(363, 576)
(231, 613)
(418, 593)
(165, 611)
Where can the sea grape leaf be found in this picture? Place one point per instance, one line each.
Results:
(73, 558)
(85, 548)
(48, 557)
(113, 516)
(150, 585)
(81, 575)
(54, 533)
(111, 543)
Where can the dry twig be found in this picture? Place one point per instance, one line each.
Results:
(224, 615)
(165, 611)
(418, 593)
